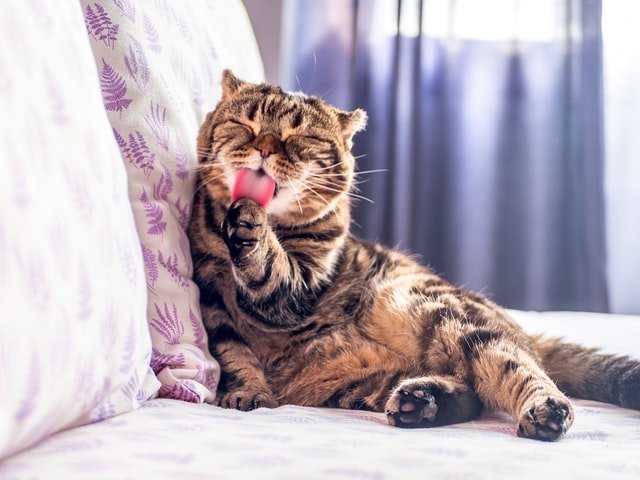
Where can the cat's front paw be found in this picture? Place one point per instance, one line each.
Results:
(246, 399)
(244, 225)
(546, 419)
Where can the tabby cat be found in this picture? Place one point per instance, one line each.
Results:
(298, 311)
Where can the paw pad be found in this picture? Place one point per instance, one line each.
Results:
(546, 420)
(412, 406)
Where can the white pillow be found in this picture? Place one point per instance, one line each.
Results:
(160, 65)
(74, 344)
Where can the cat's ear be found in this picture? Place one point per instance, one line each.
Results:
(352, 122)
(230, 84)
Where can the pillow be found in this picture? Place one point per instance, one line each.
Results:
(74, 343)
(160, 65)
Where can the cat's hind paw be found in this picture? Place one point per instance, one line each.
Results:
(412, 404)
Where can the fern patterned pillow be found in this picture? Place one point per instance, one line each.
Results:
(159, 65)
(74, 343)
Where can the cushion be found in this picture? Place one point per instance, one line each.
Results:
(74, 343)
(160, 65)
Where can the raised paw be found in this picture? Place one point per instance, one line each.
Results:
(248, 399)
(244, 225)
(546, 419)
(412, 404)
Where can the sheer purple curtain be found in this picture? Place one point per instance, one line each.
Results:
(488, 120)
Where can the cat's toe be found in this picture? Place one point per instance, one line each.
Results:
(248, 399)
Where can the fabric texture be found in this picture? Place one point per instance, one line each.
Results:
(291, 443)
(160, 66)
(168, 439)
(74, 342)
(487, 118)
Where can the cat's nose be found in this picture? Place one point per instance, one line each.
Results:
(267, 144)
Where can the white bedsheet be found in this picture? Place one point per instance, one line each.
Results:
(168, 439)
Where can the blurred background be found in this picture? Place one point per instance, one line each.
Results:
(509, 132)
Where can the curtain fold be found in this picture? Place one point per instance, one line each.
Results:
(491, 136)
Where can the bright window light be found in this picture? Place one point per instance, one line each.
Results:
(488, 20)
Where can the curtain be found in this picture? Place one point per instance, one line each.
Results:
(487, 121)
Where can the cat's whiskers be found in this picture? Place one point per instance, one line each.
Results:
(208, 182)
(354, 185)
(295, 193)
(199, 168)
(330, 166)
(350, 194)
(306, 186)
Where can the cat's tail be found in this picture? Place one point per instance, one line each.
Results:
(586, 373)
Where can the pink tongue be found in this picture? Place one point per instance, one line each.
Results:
(258, 186)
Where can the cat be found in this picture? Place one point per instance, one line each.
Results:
(299, 311)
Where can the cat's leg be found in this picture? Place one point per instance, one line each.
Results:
(432, 401)
(507, 377)
(473, 338)
(278, 276)
(243, 385)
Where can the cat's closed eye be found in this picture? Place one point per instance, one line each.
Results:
(239, 124)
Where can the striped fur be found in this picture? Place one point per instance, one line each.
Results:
(299, 311)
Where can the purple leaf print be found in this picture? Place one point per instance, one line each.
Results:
(183, 28)
(180, 391)
(84, 291)
(199, 334)
(127, 261)
(137, 65)
(207, 374)
(150, 267)
(170, 94)
(114, 89)
(171, 265)
(100, 26)
(104, 411)
(121, 142)
(126, 8)
(167, 324)
(98, 396)
(157, 121)
(161, 360)
(152, 35)
(79, 190)
(153, 212)
(212, 49)
(198, 100)
(184, 213)
(131, 387)
(162, 189)
(129, 350)
(56, 98)
(31, 391)
(39, 288)
(182, 172)
(176, 61)
(139, 154)
(183, 243)
(83, 378)
(142, 395)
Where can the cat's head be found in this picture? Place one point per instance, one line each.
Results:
(299, 141)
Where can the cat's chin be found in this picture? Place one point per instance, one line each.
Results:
(283, 202)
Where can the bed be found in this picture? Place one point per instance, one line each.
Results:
(169, 439)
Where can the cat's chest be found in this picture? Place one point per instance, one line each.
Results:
(267, 346)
